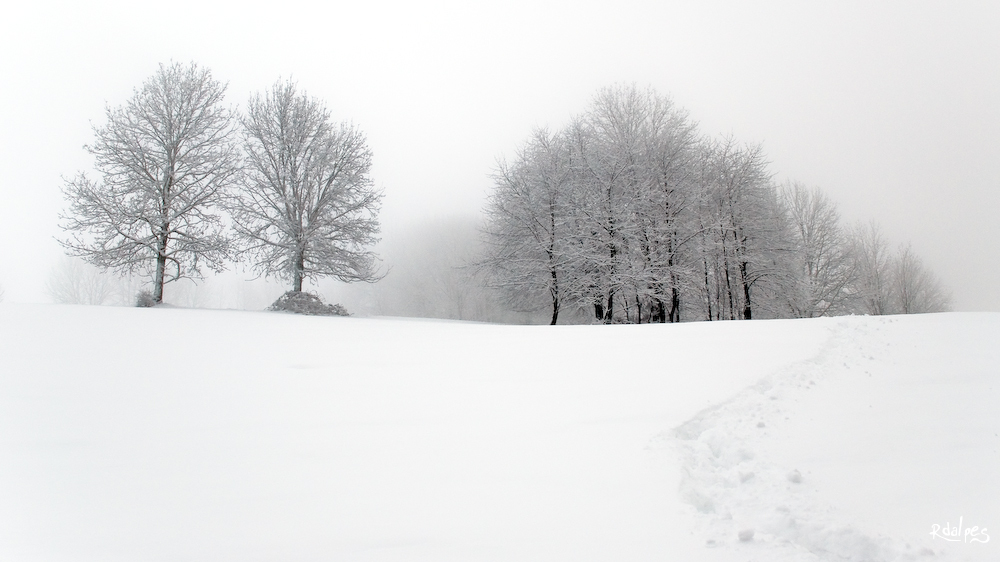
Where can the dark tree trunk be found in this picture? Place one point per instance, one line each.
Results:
(747, 312)
(675, 295)
(675, 305)
(729, 291)
(708, 291)
(555, 301)
(658, 312)
(554, 290)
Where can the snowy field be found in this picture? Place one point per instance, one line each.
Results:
(195, 435)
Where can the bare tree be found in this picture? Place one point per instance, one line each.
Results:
(638, 172)
(743, 241)
(307, 207)
(609, 213)
(631, 199)
(825, 271)
(164, 160)
(914, 288)
(74, 281)
(525, 233)
(873, 265)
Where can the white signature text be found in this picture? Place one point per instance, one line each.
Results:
(959, 533)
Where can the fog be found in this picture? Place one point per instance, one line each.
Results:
(890, 108)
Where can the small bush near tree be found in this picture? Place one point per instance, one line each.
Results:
(302, 302)
(145, 299)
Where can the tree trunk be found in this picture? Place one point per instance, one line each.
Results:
(555, 300)
(554, 288)
(298, 273)
(729, 290)
(657, 311)
(161, 266)
(747, 312)
(675, 305)
(708, 291)
(675, 294)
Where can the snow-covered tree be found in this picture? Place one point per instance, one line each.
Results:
(873, 264)
(609, 213)
(744, 235)
(164, 159)
(635, 200)
(628, 214)
(527, 230)
(915, 289)
(307, 207)
(824, 271)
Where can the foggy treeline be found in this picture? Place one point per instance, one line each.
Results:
(630, 215)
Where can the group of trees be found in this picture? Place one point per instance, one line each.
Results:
(631, 215)
(185, 182)
(628, 214)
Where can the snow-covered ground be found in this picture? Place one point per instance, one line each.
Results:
(170, 434)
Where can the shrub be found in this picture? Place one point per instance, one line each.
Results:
(301, 302)
(145, 299)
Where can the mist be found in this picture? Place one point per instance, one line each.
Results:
(890, 109)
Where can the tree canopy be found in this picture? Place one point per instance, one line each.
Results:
(164, 160)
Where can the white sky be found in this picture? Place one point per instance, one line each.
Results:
(893, 108)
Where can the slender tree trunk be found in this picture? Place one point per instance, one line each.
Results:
(740, 244)
(554, 291)
(161, 249)
(729, 290)
(747, 312)
(609, 310)
(708, 290)
(554, 288)
(161, 267)
(675, 304)
(675, 295)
